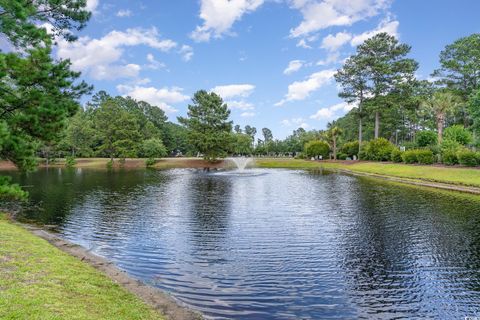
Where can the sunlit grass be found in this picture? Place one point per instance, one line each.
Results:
(38, 281)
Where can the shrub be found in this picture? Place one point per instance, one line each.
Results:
(378, 150)
(70, 161)
(153, 148)
(459, 134)
(410, 156)
(342, 156)
(396, 155)
(449, 157)
(425, 156)
(110, 164)
(350, 149)
(467, 158)
(316, 148)
(150, 162)
(426, 138)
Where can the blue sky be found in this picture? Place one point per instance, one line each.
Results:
(272, 60)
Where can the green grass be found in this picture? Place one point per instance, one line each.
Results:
(38, 281)
(449, 175)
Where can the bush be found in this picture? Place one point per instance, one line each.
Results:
(350, 149)
(425, 156)
(410, 156)
(467, 158)
(459, 134)
(316, 148)
(153, 148)
(378, 150)
(449, 157)
(342, 156)
(70, 161)
(110, 164)
(150, 162)
(426, 138)
(396, 155)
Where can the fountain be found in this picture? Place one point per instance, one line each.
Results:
(240, 162)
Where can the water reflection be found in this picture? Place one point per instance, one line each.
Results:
(276, 244)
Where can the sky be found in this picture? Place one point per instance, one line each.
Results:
(272, 61)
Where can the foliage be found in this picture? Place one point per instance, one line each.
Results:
(150, 162)
(425, 156)
(11, 191)
(70, 161)
(459, 134)
(153, 148)
(378, 150)
(208, 125)
(317, 148)
(474, 108)
(397, 155)
(467, 158)
(242, 144)
(410, 156)
(426, 138)
(449, 157)
(350, 149)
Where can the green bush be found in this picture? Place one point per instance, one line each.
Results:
(396, 155)
(110, 164)
(467, 158)
(459, 134)
(425, 156)
(316, 148)
(70, 161)
(378, 150)
(426, 138)
(410, 156)
(342, 156)
(150, 162)
(449, 157)
(350, 149)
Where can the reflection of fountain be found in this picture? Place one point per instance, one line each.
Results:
(241, 162)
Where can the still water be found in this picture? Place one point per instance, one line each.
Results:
(274, 244)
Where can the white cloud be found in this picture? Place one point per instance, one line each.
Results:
(186, 52)
(234, 90)
(219, 16)
(302, 43)
(161, 98)
(241, 105)
(321, 14)
(111, 72)
(297, 122)
(124, 13)
(293, 66)
(388, 26)
(153, 63)
(300, 90)
(334, 42)
(92, 5)
(248, 114)
(97, 56)
(330, 113)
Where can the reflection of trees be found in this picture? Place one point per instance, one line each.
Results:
(210, 198)
(398, 245)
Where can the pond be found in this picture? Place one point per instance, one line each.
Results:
(274, 244)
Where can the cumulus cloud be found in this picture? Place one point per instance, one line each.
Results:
(97, 56)
(124, 13)
(334, 42)
(297, 122)
(330, 112)
(153, 63)
(160, 97)
(321, 14)
(293, 66)
(300, 90)
(219, 16)
(92, 5)
(234, 90)
(186, 52)
(248, 114)
(387, 25)
(241, 105)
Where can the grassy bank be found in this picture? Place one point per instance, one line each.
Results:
(38, 281)
(440, 174)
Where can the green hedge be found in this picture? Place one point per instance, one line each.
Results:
(421, 156)
(396, 155)
(467, 158)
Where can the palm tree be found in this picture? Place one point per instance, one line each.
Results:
(334, 132)
(441, 103)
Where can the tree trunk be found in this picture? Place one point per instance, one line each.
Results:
(440, 119)
(377, 124)
(360, 136)
(334, 148)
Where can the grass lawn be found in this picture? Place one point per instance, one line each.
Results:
(38, 281)
(450, 175)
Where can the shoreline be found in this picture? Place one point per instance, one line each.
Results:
(157, 299)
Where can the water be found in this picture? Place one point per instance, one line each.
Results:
(241, 162)
(275, 244)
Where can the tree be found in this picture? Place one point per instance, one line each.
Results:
(267, 135)
(317, 148)
(209, 129)
(334, 132)
(459, 134)
(237, 129)
(79, 134)
(251, 131)
(474, 107)
(117, 130)
(460, 68)
(153, 148)
(242, 144)
(441, 103)
(378, 70)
